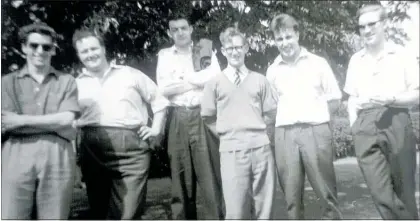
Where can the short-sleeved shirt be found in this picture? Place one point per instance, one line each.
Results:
(303, 88)
(22, 94)
(119, 98)
(393, 72)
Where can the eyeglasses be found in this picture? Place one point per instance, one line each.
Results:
(370, 25)
(45, 47)
(236, 48)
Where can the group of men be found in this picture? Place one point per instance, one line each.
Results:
(219, 125)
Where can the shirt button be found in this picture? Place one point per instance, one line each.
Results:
(37, 89)
(39, 104)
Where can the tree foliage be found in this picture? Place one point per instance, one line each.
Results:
(136, 30)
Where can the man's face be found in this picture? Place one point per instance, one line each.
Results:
(235, 51)
(91, 53)
(287, 42)
(180, 31)
(371, 28)
(39, 49)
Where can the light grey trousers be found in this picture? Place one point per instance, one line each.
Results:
(248, 181)
(306, 149)
(37, 177)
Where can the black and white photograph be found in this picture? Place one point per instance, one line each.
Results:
(210, 110)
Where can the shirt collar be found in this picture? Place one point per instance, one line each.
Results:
(302, 54)
(112, 65)
(389, 48)
(25, 72)
(174, 49)
(243, 70)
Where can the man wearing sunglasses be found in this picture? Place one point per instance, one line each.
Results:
(192, 148)
(39, 105)
(383, 83)
(307, 95)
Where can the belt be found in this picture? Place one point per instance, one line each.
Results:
(37, 134)
(186, 108)
(111, 128)
(382, 108)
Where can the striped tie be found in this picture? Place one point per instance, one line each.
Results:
(237, 78)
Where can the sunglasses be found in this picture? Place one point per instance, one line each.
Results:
(45, 47)
(370, 25)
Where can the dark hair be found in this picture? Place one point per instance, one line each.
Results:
(180, 14)
(284, 21)
(40, 28)
(372, 8)
(87, 32)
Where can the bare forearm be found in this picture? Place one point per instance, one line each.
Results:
(49, 122)
(159, 120)
(406, 99)
(270, 117)
(176, 88)
(333, 106)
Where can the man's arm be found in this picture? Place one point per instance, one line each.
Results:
(208, 106)
(168, 84)
(411, 73)
(200, 78)
(332, 92)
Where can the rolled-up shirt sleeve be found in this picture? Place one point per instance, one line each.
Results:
(150, 93)
(70, 98)
(7, 98)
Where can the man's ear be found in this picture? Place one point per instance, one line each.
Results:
(168, 32)
(24, 48)
(246, 48)
(54, 50)
(223, 51)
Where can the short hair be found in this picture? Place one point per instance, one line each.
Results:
(87, 32)
(372, 8)
(180, 14)
(228, 33)
(284, 21)
(38, 27)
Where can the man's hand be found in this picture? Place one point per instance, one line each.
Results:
(146, 132)
(382, 100)
(10, 121)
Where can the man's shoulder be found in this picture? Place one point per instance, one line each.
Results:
(8, 77)
(165, 51)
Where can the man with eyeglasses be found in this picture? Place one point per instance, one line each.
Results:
(181, 74)
(307, 95)
(383, 83)
(246, 158)
(39, 105)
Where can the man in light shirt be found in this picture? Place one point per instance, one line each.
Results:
(307, 90)
(383, 82)
(115, 135)
(246, 157)
(192, 148)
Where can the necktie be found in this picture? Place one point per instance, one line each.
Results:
(237, 78)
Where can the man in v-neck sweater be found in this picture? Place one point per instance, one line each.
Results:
(241, 104)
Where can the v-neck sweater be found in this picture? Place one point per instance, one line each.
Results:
(239, 110)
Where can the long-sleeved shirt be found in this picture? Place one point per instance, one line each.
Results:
(393, 72)
(119, 98)
(175, 67)
(239, 109)
(303, 88)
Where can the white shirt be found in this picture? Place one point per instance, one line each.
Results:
(175, 67)
(119, 98)
(393, 72)
(303, 89)
(230, 73)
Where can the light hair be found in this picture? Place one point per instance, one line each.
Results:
(230, 32)
(372, 8)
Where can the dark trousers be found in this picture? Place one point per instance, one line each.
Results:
(194, 158)
(115, 165)
(385, 148)
(300, 149)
